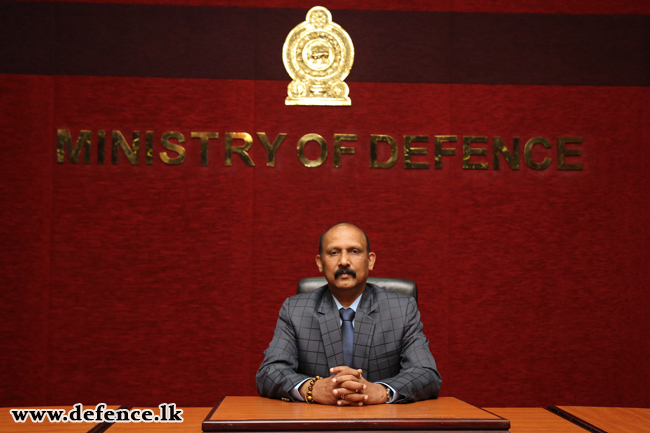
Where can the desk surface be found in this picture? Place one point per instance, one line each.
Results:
(607, 419)
(8, 425)
(237, 414)
(192, 419)
(535, 420)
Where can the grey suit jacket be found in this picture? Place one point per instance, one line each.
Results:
(389, 344)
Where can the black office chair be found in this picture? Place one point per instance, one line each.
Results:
(399, 285)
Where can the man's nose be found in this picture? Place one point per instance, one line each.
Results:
(344, 259)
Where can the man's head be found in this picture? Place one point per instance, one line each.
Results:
(345, 259)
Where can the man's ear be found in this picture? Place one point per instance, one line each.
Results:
(319, 263)
(371, 260)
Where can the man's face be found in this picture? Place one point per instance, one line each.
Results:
(345, 260)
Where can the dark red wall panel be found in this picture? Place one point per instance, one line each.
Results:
(574, 263)
(26, 195)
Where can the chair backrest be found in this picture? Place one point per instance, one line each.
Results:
(399, 285)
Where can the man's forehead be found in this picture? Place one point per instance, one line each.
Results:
(344, 234)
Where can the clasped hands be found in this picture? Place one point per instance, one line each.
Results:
(346, 387)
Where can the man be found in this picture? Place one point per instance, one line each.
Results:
(376, 355)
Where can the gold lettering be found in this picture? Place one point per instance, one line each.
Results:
(408, 151)
(64, 142)
(528, 149)
(173, 147)
(376, 138)
(239, 150)
(468, 151)
(120, 141)
(205, 138)
(148, 155)
(562, 151)
(270, 149)
(511, 159)
(301, 150)
(439, 151)
(65, 145)
(338, 150)
(101, 146)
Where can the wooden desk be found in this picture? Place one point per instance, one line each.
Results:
(535, 420)
(192, 419)
(8, 425)
(606, 419)
(446, 414)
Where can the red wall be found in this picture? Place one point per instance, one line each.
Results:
(142, 284)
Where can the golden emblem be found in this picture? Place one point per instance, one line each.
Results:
(318, 55)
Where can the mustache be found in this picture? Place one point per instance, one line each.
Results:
(342, 271)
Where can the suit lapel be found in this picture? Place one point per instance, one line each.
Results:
(328, 320)
(364, 328)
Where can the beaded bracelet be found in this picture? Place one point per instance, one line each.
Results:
(310, 388)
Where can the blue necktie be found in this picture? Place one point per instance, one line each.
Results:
(347, 334)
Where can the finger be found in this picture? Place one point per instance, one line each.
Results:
(352, 386)
(349, 403)
(346, 391)
(355, 398)
(344, 378)
(345, 370)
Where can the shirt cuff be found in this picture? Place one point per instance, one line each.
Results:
(295, 392)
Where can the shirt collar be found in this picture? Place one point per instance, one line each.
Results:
(354, 305)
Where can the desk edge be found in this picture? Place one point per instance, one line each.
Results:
(575, 420)
(412, 424)
(354, 425)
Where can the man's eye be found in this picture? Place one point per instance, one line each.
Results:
(333, 253)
